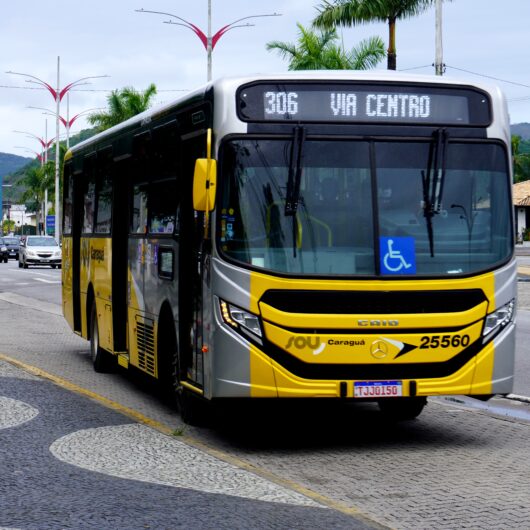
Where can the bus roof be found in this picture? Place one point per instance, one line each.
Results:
(232, 83)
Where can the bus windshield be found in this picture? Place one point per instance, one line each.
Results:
(361, 207)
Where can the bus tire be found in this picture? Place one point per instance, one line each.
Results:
(102, 360)
(402, 409)
(192, 408)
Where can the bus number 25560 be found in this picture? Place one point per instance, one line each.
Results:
(444, 341)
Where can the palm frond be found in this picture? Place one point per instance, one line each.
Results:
(122, 105)
(367, 54)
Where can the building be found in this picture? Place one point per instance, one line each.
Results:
(21, 218)
(521, 204)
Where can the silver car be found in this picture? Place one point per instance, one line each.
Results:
(39, 250)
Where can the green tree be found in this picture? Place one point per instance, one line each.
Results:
(122, 105)
(8, 226)
(349, 13)
(521, 160)
(319, 51)
(37, 181)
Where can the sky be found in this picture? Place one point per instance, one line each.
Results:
(482, 41)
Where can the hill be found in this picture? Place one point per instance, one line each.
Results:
(9, 163)
(16, 175)
(521, 129)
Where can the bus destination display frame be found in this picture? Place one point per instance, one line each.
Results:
(364, 103)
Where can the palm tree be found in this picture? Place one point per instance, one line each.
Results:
(334, 13)
(38, 179)
(318, 51)
(122, 105)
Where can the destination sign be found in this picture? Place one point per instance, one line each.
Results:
(413, 104)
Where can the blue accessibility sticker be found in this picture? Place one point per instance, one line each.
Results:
(397, 255)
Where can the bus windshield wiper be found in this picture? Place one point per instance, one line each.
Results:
(295, 172)
(433, 181)
(292, 198)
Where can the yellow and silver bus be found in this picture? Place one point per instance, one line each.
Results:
(341, 235)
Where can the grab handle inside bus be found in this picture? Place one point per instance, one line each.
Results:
(205, 180)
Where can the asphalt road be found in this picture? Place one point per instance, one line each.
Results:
(87, 450)
(39, 283)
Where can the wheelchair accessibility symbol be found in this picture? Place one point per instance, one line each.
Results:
(397, 255)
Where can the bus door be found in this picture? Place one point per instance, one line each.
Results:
(140, 328)
(87, 183)
(72, 213)
(162, 248)
(194, 252)
(76, 250)
(120, 229)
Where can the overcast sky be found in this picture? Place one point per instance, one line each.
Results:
(107, 37)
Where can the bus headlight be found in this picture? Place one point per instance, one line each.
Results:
(240, 319)
(499, 318)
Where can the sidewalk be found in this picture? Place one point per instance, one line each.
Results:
(523, 249)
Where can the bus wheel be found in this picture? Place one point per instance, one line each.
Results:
(402, 409)
(101, 359)
(193, 409)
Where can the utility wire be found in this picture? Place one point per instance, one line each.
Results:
(510, 100)
(488, 76)
(415, 68)
(468, 72)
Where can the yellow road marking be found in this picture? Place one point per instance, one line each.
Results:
(131, 413)
(190, 440)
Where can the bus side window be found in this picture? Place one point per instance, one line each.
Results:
(141, 171)
(103, 204)
(162, 206)
(139, 209)
(68, 200)
(89, 188)
(163, 191)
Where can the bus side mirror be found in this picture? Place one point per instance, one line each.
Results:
(204, 184)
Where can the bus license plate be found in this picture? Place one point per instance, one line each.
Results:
(377, 389)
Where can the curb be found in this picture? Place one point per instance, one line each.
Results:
(516, 397)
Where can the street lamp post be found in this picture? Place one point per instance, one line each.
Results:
(43, 160)
(209, 41)
(39, 156)
(67, 122)
(58, 94)
(44, 142)
(438, 62)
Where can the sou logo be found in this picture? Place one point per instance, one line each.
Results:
(311, 342)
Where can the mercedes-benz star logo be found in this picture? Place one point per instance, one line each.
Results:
(379, 349)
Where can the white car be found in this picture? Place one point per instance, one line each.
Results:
(39, 250)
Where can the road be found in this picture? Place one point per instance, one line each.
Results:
(40, 283)
(85, 450)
